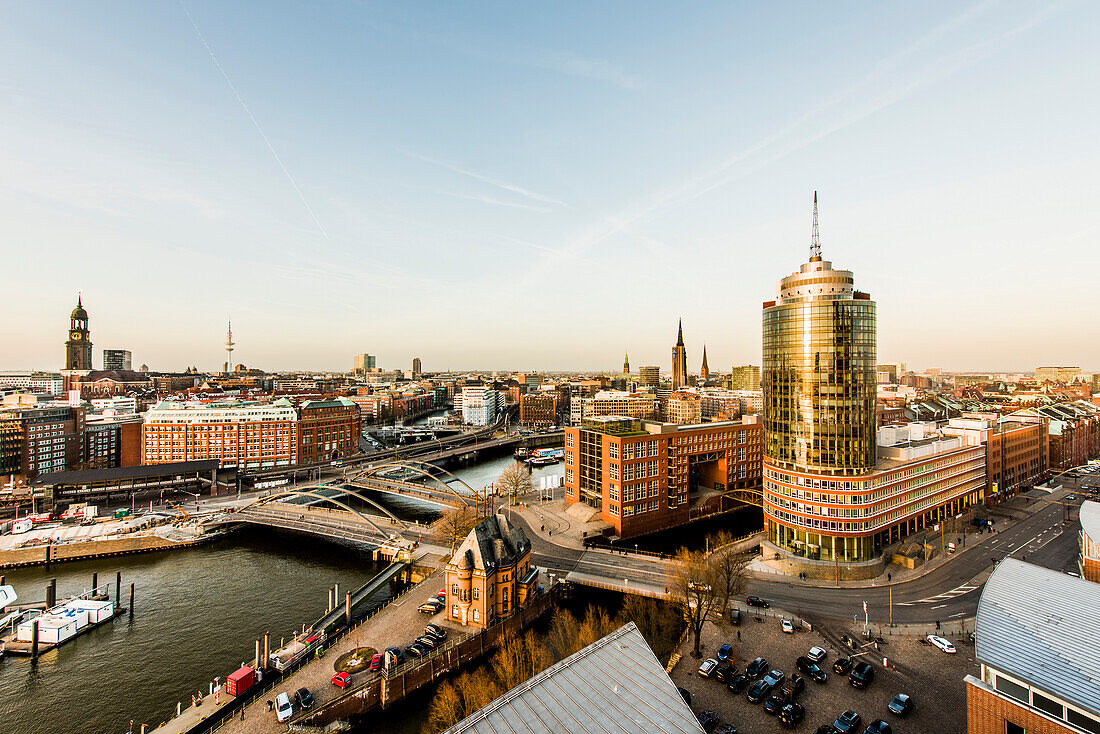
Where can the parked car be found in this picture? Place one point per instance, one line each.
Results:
(794, 685)
(901, 705)
(376, 661)
(415, 650)
(685, 694)
(775, 677)
(776, 701)
(738, 683)
(708, 720)
(787, 626)
(941, 643)
(431, 607)
(817, 654)
(429, 642)
(708, 667)
(848, 722)
(810, 669)
(756, 601)
(435, 631)
(724, 651)
(341, 680)
(735, 617)
(723, 672)
(792, 715)
(398, 656)
(725, 728)
(757, 668)
(303, 699)
(825, 729)
(878, 726)
(284, 709)
(842, 666)
(862, 675)
(759, 691)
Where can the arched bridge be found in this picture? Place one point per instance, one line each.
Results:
(441, 488)
(331, 516)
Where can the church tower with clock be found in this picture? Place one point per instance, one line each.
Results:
(78, 350)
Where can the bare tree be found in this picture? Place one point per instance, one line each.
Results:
(730, 566)
(455, 524)
(514, 480)
(447, 708)
(693, 584)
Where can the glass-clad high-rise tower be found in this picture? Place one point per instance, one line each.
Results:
(818, 374)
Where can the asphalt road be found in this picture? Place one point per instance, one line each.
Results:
(948, 592)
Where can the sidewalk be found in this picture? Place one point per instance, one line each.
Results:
(550, 522)
(1008, 516)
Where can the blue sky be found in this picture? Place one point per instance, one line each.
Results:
(499, 185)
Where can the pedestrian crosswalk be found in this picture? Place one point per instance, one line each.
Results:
(945, 596)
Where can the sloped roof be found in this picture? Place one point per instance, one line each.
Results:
(493, 542)
(1039, 626)
(613, 686)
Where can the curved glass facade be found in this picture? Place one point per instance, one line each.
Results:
(818, 379)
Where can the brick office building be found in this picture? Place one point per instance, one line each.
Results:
(1015, 451)
(490, 576)
(1039, 654)
(539, 409)
(112, 441)
(244, 435)
(646, 476)
(328, 430)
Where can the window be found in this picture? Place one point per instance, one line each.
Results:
(477, 616)
(1012, 689)
(454, 589)
(613, 492)
(569, 476)
(1048, 705)
(569, 440)
(1085, 722)
(613, 450)
(477, 593)
(1011, 728)
(615, 510)
(613, 471)
(454, 611)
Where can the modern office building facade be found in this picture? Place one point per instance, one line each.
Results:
(1089, 560)
(362, 364)
(480, 405)
(117, 359)
(745, 377)
(613, 402)
(649, 376)
(646, 476)
(835, 492)
(39, 440)
(539, 409)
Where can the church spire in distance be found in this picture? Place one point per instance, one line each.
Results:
(680, 334)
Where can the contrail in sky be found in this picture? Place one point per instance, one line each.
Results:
(253, 118)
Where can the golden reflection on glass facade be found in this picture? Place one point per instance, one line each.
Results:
(818, 379)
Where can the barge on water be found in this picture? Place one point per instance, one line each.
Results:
(35, 632)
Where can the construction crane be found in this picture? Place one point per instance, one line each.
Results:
(179, 509)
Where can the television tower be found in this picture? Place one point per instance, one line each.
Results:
(229, 348)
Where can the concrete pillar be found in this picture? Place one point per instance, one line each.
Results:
(179, 707)
(34, 640)
(131, 601)
(48, 557)
(336, 594)
(95, 582)
(257, 658)
(329, 608)
(118, 588)
(266, 652)
(347, 608)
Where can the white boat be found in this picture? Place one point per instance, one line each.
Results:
(65, 621)
(7, 596)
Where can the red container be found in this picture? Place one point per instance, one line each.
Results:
(240, 681)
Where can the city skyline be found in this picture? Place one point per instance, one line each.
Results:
(314, 197)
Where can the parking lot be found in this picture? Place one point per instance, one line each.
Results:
(932, 678)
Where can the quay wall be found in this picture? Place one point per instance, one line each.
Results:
(386, 690)
(37, 555)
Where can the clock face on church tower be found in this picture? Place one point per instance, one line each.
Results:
(75, 335)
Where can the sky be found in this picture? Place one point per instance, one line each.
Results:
(544, 186)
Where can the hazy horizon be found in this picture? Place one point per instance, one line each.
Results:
(543, 187)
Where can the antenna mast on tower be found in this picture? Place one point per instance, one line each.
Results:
(229, 348)
(815, 237)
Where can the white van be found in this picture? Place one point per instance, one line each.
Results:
(284, 709)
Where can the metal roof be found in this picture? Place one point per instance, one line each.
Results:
(615, 685)
(1039, 626)
(143, 471)
(1090, 519)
